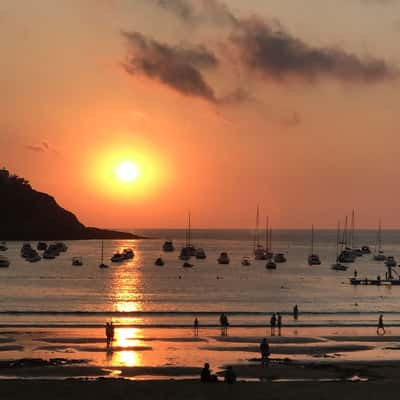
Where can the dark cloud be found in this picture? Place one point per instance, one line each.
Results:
(277, 55)
(178, 67)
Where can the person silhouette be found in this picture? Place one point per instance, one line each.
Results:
(295, 312)
(273, 324)
(381, 327)
(196, 327)
(265, 353)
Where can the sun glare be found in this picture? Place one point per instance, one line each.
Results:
(127, 172)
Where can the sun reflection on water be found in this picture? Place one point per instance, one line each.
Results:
(127, 338)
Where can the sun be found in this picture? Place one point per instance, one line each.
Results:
(127, 171)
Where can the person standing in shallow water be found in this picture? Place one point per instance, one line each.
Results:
(279, 318)
(196, 327)
(265, 353)
(381, 327)
(273, 324)
(296, 312)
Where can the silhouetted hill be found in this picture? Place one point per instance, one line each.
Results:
(26, 214)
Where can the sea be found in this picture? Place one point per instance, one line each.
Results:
(138, 293)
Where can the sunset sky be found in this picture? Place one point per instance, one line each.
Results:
(292, 104)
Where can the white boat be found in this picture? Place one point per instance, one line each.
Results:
(4, 262)
(168, 246)
(313, 259)
(159, 262)
(378, 253)
(102, 265)
(223, 258)
(246, 261)
(77, 261)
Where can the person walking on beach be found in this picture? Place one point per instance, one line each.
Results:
(264, 350)
(112, 331)
(381, 327)
(296, 312)
(279, 318)
(273, 324)
(196, 327)
(108, 333)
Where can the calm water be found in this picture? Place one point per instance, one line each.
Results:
(172, 295)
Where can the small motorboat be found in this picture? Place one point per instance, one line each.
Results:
(33, 257)
(365, 250)
(160, 262)
(339, 267)
(313, 259)
(200, 254)
(223, 258)
(118, 258)
(49, 255)
(77, 261)
(246, 261)
(42, 246)
(168, 246)
(270, 264)
(390, 261)
(187, 265)
(346, 256)
(380, 256)
(128, 254)
(280, 258)
(102, 265)
(355, 281)
(4, 262)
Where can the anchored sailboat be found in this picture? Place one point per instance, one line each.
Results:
(189, 250)
(337, 266)
(102, 265)
(313, 259)
(379, 255)
(259, 251)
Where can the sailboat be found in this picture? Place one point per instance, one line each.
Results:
(356, 251)
(189, 250)
(346, 255)
(379, 255)
(259, 251)
(313, 259)
(271, 264)
(337, 266)
(102, 265)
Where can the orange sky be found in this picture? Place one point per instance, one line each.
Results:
(308, 150)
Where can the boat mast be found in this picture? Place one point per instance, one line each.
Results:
(380, 236)
(337, 240)
(256, 233)
(352, 228)
(188, 244)
(344, 241)
(266, 234)
(312, 239)
(270, 240)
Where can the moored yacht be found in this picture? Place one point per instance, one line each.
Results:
(246, 261)
(159, 262)
(200, 254)
(337, 266)
(77, 261)
(390, 261)
(223, 258)
(118, 258)
(42, 246)
(188, 250)
(128, 254)
(4, 262)
(313, 259)
(280, 258)
(102, 264)
(168, 246)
